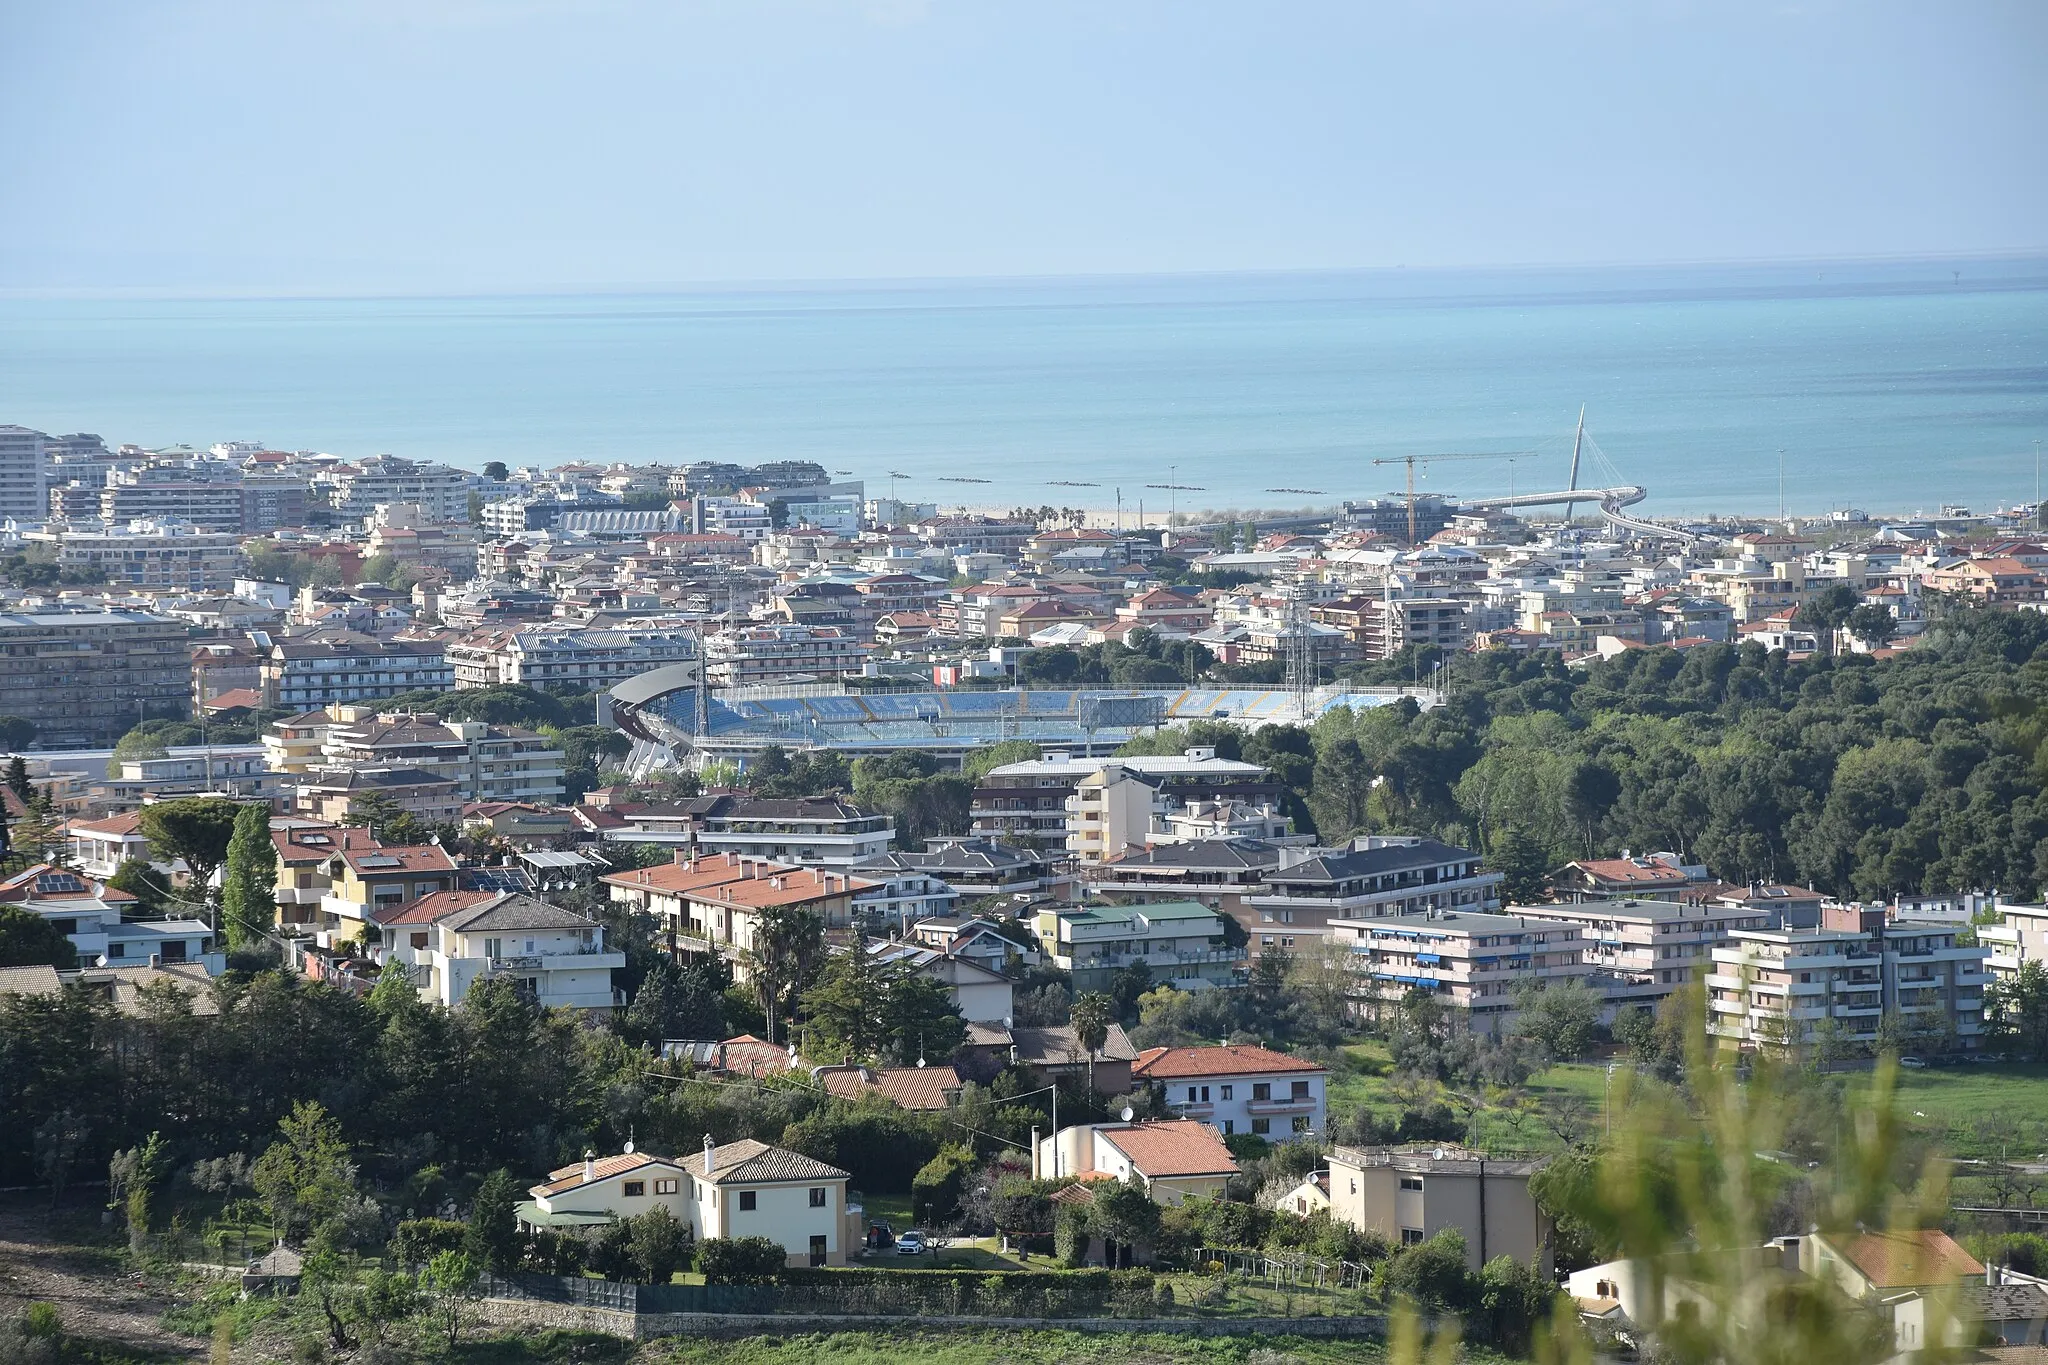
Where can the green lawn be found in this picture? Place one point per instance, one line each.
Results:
(893, 1209)
(1980, 1111)
(889, 1347)
(1366, 1081)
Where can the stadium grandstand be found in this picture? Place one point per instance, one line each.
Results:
(662, 713)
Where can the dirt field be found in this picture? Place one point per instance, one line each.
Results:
(98, 1300)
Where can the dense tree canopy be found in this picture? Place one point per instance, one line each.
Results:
(1861, 777)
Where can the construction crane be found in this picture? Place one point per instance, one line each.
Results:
(1412, 460)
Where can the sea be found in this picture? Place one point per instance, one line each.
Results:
(1891, 387)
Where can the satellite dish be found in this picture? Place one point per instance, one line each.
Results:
(1438, 1154)
(1128, 1111)
(629, 1146)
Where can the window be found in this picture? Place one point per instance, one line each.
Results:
(1301, 1123)
(1226, 1092)
(818, 1253)
(1262, 1126)
(1301, 1090)
(664, 1187)
(633, 1189)
(746, 1201)
(1263, 1090)
(818, 1197)
(1229, 1127)
(1410, 1236)
(1411, 1182)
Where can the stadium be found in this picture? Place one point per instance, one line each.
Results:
(673, 720)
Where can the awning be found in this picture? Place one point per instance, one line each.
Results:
(530, 1213)
(1428, 959)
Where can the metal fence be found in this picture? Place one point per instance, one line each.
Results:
(935, 1294)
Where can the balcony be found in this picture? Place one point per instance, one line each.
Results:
(1290, 1104)
(557, 962)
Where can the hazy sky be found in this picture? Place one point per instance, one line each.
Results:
(456, 144)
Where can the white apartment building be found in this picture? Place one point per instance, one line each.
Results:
(450, 939)
(488, 762)
(355, 490)
(334, 668)
(24, 473)
(1642, 951)
(1240, 1089)
(150, 554)
(1375, 875)
(749, 521)
(1771, 987)
(1027, 804)
(772, 653)
(1180, 942)
(591, 660)
(1470, 961)
(2022, 937)
(812, 831)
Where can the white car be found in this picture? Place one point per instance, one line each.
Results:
(910, 1244)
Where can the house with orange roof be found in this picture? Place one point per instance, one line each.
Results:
(1873, 1264)
(1172, 1159)
(1647, 878)
(717, 901)
(1995, 581)
(99, 847)
(365, 876)
(1240, 1089)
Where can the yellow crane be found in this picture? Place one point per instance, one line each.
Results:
(1412, 460)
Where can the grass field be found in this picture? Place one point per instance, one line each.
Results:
(1981, 1111)
(1000, 1348)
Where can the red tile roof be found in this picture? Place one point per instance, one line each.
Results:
(1174, 1148)
(568, 1178)
(1907, 1260)
(1173, 1063)
(1629, 871)
(427, 909)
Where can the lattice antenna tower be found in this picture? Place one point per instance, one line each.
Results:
(1300, 655)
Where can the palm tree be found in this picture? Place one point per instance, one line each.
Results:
(788, 945)
(1091, 1018)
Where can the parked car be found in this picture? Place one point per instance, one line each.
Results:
(910, 1244)
(1911, 1063)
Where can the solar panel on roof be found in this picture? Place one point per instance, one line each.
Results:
(382, 860)
(492, 879)
(58, 881)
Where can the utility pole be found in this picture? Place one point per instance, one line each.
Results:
(1781, 483)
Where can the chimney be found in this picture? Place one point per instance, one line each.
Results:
(710, 1155)
(589, 1165)
(682, 857)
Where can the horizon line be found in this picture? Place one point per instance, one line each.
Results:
(796, 284)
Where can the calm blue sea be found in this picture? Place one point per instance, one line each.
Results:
(1889, 387)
